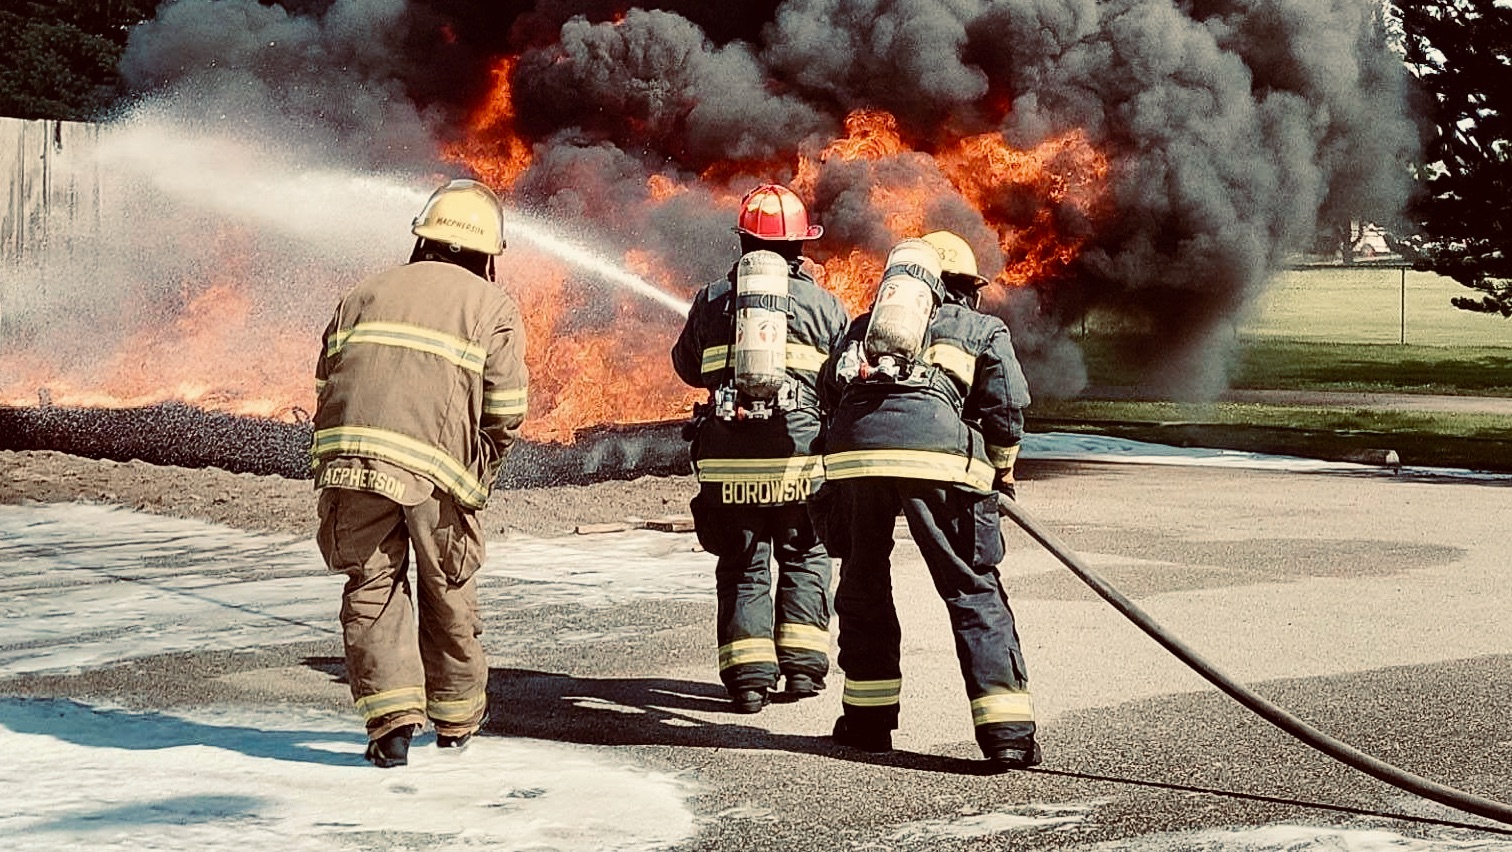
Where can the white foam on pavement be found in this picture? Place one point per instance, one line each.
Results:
(77, 776)
(84, 585)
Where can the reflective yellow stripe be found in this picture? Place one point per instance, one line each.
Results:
(1002, 707)
(464, 353)
(505, 402)
(798, 356)
(406, 452)
(382, 704)
(953, 360)
(752, 470)
(909, 464)
(715, 358)
(808, 359)
(1003, 458)
(805, 636)
(459, 710)
(872, 693)
(742, 652)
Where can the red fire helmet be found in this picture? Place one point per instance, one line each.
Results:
(773, 212)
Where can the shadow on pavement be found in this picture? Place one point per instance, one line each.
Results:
(651, 711)
(96, 727)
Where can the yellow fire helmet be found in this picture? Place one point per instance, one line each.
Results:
(956, 256)
(464, 213)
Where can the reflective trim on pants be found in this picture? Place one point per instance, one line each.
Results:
(378, 705)
(457, 712)
(743, 652)
(1002, 707)
(873, 693)
(802, 637)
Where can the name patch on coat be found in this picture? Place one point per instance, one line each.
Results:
(765, 491)
(362, 479)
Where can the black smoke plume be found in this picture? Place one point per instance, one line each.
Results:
(1232, 128)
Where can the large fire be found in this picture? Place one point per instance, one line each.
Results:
(622, 372)
(616, 368)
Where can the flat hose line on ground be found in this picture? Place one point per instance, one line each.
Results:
(1339, 751)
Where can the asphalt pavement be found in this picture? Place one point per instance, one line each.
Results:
(1373, 606)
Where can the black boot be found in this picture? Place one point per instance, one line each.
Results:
(391, 749)
(800, 686)
(749, 700)
(1014, 757)
(866, 739)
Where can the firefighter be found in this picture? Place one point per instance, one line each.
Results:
(757, 340)
(926, 403)
(421, 384)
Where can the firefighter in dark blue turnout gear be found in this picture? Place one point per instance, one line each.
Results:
(757, 340)
(926, 420)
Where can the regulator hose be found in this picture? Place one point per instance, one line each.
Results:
(1335, 749)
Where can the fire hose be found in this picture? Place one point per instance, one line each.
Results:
(1335, 749)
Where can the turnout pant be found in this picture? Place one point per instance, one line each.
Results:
(761, 634)
(960, 536)
(403, 672)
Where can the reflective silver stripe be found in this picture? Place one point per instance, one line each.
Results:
(459, 710)
(798, 356)
(909, 464)
(464, 353)
(742, 652)
(872, 693)
(1002, 707)
(752, 470)
(804, 636)
(953, 360)
(1003, 458)
(406, 452)
(319, 386)
(505, 402)
(382, 704)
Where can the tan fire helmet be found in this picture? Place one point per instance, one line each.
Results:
(956, 256)
(464, 213)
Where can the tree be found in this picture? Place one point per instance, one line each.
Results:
(1460, 51)
(60, 55)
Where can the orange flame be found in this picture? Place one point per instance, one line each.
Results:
(492, 147)
(1065, 170)
(618, 370)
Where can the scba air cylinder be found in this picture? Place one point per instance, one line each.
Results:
(905, 303)
(761, 315)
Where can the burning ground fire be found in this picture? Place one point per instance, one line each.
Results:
(613, 370)
(1153, 159)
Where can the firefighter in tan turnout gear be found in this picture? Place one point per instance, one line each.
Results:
(421, 386)
(926, 400)
(757, 340)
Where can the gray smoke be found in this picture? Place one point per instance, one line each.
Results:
(1233, 128)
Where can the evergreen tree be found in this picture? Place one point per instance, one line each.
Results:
(1461, 53)
(60, 55)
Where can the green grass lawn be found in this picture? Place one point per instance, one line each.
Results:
(1326, 330)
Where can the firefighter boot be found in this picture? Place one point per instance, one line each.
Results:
(391, 749)
(871, 740)
(800, 686)
(749, 700)
(1014, 757)
(456, 743)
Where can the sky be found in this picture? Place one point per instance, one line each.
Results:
(240, 777)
